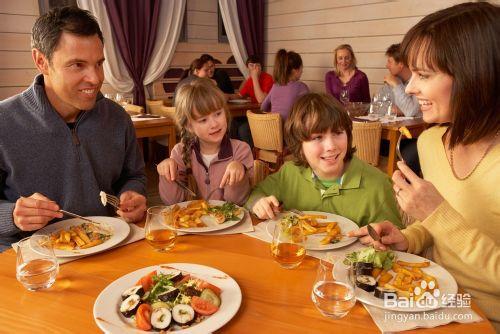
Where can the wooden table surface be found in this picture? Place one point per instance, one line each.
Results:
(240, 109)
(156, 127)
(275, 300)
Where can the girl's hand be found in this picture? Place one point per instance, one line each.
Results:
(390, 236)
(168, 169)
(417, 197)
(234, 174)
(266, 207)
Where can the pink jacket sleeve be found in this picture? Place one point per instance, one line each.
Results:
(239, 193)
(170, 192)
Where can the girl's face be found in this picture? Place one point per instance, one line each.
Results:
(433, 91)
(210, 129)
(325, 153)
(344, 59)
(296, 73)
(203, 72)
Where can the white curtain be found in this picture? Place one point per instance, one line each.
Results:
(169, 28)
(229, 14)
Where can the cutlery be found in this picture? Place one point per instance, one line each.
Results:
(110, 199)
(180, 184)
(398, 151)
(74, 215)
(371, 231)
(212, 192)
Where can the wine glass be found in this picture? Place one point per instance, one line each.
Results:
(36, 263)
(159, 230)
(288, 245)
(344, 96)
(332, 298)
(373, 112)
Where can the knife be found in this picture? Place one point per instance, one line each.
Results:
(180, 184)
(71, 214)
(371, 231)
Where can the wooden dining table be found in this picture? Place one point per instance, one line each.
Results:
(240, 109)
(275, 300)
(153, 127)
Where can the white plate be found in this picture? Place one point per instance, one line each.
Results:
(119, 228)
(212, 225)
(446, 284)
(239, 101)
(107, 305)
(313, 241)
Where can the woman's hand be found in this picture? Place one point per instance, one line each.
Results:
(390, 236)
(266, 207)
(235, 172)
(168, 169)
(417, 197)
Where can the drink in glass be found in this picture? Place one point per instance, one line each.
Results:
(36, 264)
(344, 96)
(288, 245)
(159, 230)
(334, 299)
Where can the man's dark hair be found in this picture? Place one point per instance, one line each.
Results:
(394, 52)
(48, 28)
(254, 59)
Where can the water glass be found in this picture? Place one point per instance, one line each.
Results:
(392, 113)
(36, 263)
(159, 230)
(288, 245)
(344, 96)
(332, 298)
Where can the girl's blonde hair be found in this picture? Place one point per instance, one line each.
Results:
(194, 100)
(347, 47)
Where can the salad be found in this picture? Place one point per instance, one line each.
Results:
(168, 299)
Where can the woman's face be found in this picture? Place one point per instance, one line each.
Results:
(325, 153)
(433, 91)
(344, 59)
(203, 72)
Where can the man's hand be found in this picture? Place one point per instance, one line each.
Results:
(391, 80)
(34, 212)
(132, 206)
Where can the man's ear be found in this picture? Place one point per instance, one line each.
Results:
(41, 62)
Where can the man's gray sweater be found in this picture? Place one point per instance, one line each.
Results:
(40, 153)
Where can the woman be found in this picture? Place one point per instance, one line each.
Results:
(287, 87)
(346, 76)
(198, 69)
(456, 78)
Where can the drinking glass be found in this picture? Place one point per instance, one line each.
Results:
(344, 96)
(391, 113)
(288, 245)
(159, 229)
(332, 298)
(119, 98)
(36, 264)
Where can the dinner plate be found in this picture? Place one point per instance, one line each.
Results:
(313, 240)
(238, 101)
(212, 225)
(109, 319)
(446, 285)
(119, 228)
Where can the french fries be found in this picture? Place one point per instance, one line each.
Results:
(310, 225)
(78, 237)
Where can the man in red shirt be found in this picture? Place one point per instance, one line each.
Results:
(258, 83)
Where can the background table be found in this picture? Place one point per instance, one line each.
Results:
(145, 128)
(240, 109)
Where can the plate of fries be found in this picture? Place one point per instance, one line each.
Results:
(324, 230)
(204, 216)
(420, 284)
(76, 237)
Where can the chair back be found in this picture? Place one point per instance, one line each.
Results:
(260, 171)
(153, 106)
(133, 109)
(267, 135)
(366, 139)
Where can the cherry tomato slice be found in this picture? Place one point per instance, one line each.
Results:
(143, 317)
(201, 284)
(202, 306)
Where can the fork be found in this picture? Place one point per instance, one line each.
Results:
(398, 151)
(111, 200)
(212, 192)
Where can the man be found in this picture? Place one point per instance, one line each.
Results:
(61, 141)
(259, 83)
(396, 81)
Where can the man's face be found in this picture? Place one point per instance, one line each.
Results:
(74, 75)
(393, 66)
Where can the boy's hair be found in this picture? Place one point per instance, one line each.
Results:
(284, 63)
(348, 47)
(48, 28)
(254, 59)
(394, 52)
(196, 99)
(316, 113)
(462, 41)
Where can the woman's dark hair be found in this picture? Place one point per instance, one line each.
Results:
(196, 64)
(316, 113)
(463, 41)
(48, 28)
(284, 63)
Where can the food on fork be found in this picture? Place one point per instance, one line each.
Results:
(404, 130)
(81, 236)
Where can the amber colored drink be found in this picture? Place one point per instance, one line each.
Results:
(288, 255)
(161, 240)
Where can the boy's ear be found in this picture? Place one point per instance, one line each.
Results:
(41, 62)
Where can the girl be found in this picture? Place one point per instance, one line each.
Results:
(325, 175)
(457, 201)
(287, 88)
(210, 163)
(346, 76)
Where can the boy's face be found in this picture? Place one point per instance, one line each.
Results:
(325, 153)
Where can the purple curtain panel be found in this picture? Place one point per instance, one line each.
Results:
(251, 16)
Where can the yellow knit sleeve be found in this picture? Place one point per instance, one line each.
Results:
(418, 238)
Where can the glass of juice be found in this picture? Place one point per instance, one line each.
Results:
(36, 264)
(159, 230)
(332, 298)
(288, 245)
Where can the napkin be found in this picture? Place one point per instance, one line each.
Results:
(136, 233)
(244, 226)
(393, 321)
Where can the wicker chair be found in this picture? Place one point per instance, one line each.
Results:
(133, 109)
(260, 171)
(164, 111)
(153, 106)
(267, 135)
(366, 139)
